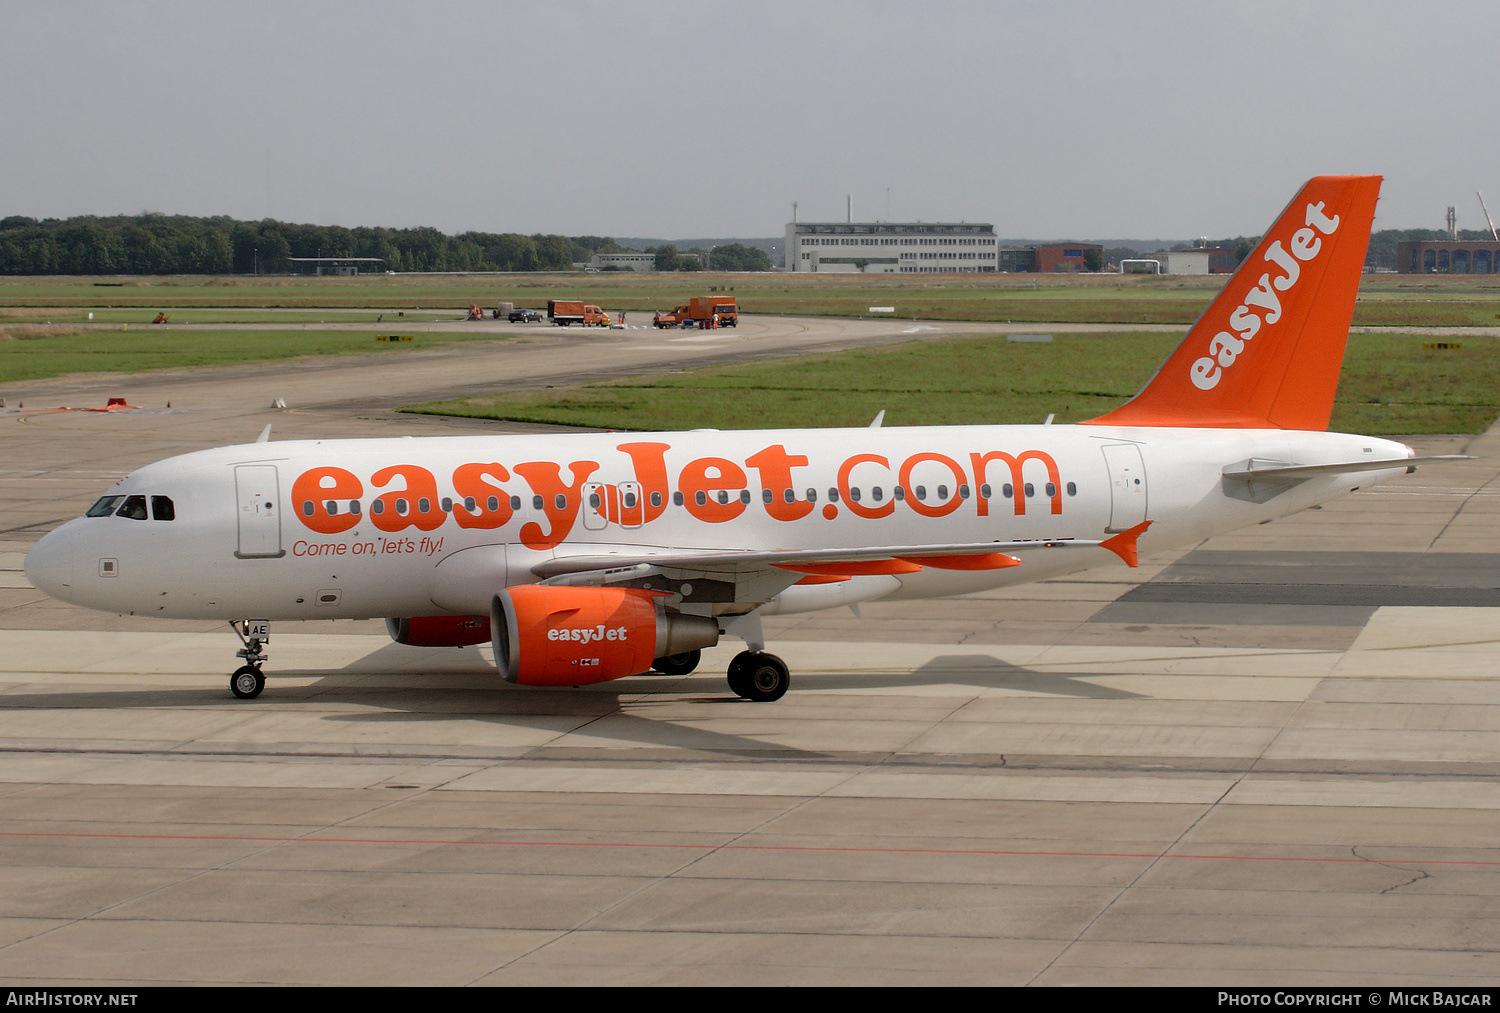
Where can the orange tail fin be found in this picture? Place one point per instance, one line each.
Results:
(1266, 353)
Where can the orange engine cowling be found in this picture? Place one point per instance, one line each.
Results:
(571, 636)
(439, 631)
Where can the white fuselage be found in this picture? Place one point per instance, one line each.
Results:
(410, 527)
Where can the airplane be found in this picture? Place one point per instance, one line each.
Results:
(588, 557)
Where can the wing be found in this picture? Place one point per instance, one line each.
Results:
(739, 580)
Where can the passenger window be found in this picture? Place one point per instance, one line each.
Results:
(922, 493)
(1008, 490)
(1030, 490)
(812, 495)
(354, 507)
(766, 496)
(723, 497)
(536, 502)
(1051, 489)
(744, 495)
(699, 497)
(876, 494)
(515, 503)
(104, 506)
(986, 491)
(656, 499)
(162, 508)
(899, 492)
(1072, 489)
(560, 501)
(833, 495)
(854, 494)
(134, 507)
(377, 506)
(790, 495)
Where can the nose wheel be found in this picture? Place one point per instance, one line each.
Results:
(758, 676)
(247, 680)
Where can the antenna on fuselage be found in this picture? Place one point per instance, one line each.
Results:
(265, 434)
(879, 418)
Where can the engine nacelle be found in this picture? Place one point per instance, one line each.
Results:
(571, 636)
(439, 631)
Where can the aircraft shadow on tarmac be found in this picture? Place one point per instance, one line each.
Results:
(389, 688)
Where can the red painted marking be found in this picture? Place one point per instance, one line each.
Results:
(623, 845)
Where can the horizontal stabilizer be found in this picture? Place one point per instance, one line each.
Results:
(1255, 471)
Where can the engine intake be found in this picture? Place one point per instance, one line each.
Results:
(573, 636)
(439, 631)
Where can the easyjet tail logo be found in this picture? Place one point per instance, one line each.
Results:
(1262, 304)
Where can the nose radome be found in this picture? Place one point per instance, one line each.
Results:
(50, 564)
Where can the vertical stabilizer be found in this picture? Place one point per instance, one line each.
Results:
(1266, 354)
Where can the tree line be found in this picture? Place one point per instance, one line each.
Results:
(181, 244)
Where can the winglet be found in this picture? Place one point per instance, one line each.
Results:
(1123, 544)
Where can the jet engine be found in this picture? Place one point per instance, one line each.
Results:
(570, 636)
(439, 631)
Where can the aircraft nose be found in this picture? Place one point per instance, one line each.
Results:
(50, 564)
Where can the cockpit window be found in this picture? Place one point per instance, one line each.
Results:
(162, 508)
(104, 506)
(134, 508)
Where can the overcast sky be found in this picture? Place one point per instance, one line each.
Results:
(1082, 120)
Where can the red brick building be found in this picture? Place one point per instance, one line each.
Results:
(1052, 257)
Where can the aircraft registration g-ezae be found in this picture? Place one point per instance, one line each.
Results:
(590, 557)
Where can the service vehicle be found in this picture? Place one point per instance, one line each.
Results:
(566, 312)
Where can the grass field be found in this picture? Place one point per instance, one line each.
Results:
(1385, 300)
(33, 353)
(1390, 385)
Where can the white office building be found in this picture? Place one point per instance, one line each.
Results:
(890, 247)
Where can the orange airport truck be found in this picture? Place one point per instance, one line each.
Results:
(702, 311)
(566, 312)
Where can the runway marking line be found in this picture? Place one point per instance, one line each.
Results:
(790, 848)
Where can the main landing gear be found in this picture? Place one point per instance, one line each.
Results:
(678, 664)
(758, 676)
(247, 680)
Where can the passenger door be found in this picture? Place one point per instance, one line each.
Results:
(259, 501)
(1127, 485)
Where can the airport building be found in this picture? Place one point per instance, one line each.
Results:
(623, 261)
(1199, 260)
(890, 247)
(1448, 256)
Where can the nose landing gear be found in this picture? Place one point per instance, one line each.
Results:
(247, 680)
